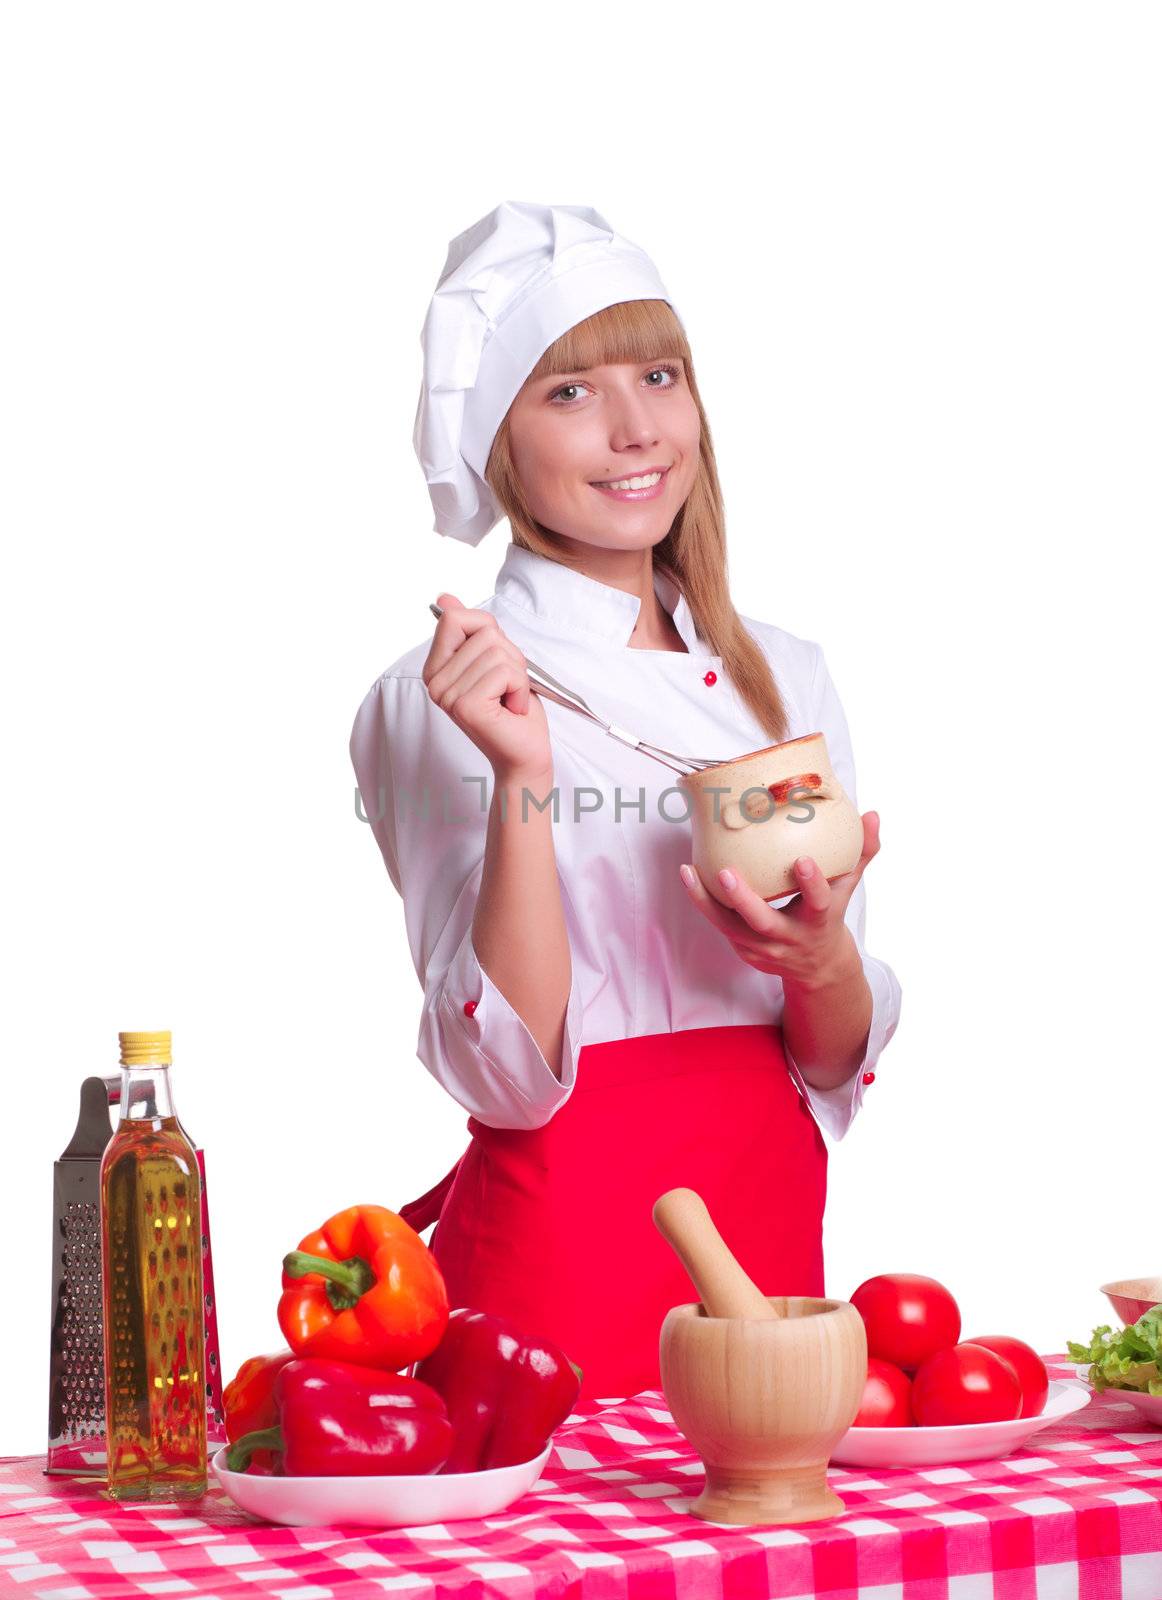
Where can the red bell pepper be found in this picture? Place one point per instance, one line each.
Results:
(336, 1418)
(505, 1391)
(249, 1403)
(363, 1288)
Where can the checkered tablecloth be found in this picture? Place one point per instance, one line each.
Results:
(1076, 1517)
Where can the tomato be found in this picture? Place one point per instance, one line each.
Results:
(964, 1384)
(887, 1397)
(1030, 1370)
(907, 1317)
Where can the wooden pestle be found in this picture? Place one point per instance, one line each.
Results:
(723, 1287)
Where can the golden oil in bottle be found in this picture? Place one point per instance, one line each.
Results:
(151, 1261)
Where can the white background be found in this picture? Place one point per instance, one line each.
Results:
(916, 249)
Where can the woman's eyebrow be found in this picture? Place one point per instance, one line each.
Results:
(580, 371)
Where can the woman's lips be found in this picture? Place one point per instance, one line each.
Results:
(634, 494)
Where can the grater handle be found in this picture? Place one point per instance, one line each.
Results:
(91, 1134)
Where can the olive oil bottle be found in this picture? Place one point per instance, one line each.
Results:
(151, 1261)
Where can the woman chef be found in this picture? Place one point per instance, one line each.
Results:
(612, 1029)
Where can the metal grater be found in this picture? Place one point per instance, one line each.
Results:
(76, 1403)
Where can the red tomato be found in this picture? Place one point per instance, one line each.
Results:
(1027, 1364)
(907, 1317)
(965, 1384)
(887, 1397)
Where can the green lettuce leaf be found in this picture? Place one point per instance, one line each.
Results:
(1127, 1359)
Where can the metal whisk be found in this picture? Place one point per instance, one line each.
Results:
(543, 683)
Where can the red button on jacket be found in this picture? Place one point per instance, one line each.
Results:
(869, 1077)
(710, 679)
(470, 1007)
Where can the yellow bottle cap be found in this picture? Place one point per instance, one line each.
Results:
(145, 1049)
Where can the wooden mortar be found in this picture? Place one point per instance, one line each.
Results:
(763, 1386)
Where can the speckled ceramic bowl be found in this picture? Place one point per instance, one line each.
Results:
(761, 812)
(1131, 1298)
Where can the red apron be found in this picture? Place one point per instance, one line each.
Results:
(554, 1226)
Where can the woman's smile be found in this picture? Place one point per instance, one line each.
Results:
(637, 486)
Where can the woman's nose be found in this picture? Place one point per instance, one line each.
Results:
(632, 423)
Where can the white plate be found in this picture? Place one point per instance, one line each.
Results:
(969, 1441)
(1150, 1405)
(403, 1501)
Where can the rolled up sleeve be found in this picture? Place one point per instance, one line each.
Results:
(835, 1109)
(410, 761)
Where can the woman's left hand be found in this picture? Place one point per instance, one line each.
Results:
(807, 942)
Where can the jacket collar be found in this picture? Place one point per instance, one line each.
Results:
(577, 603)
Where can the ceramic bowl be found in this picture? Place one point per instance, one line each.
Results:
(1147, 1405)
(1131, 1298)
(400, 1501)
(761, 811)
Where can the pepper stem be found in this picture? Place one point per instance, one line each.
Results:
(239, 1454)
(347, 1281)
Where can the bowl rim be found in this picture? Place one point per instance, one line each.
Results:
(751, 755)
(1127, 1288)
(1134, 1396)
(219, 1466)
(828, 1307)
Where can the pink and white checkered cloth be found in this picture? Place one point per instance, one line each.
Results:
(1077, 1517)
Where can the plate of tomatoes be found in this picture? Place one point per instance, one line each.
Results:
(932, 1397)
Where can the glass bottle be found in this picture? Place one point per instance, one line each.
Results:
(151, 1278)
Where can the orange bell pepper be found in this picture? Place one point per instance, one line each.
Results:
(249, 1403)
(364, 1288)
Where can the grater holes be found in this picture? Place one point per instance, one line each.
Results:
(81, 1329)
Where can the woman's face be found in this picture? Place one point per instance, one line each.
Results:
(573, 434)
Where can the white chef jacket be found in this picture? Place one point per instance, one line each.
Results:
(644, 959)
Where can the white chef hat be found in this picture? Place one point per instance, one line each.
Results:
(512, 283)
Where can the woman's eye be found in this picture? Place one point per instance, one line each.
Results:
(568, 390)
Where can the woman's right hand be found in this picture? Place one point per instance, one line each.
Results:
(478, 677)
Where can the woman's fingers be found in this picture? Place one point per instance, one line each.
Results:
(724, 920)
(745, 916)
(813, 886)
(796, 938)
(491, 676)
(459, 623)
(846, 882)
(477, 647)
(749, 904)
(478, 678)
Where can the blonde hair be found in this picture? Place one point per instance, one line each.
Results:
(693, 552)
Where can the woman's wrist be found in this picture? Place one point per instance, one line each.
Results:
(827, 1019)
(842, 968)
(538, 781)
